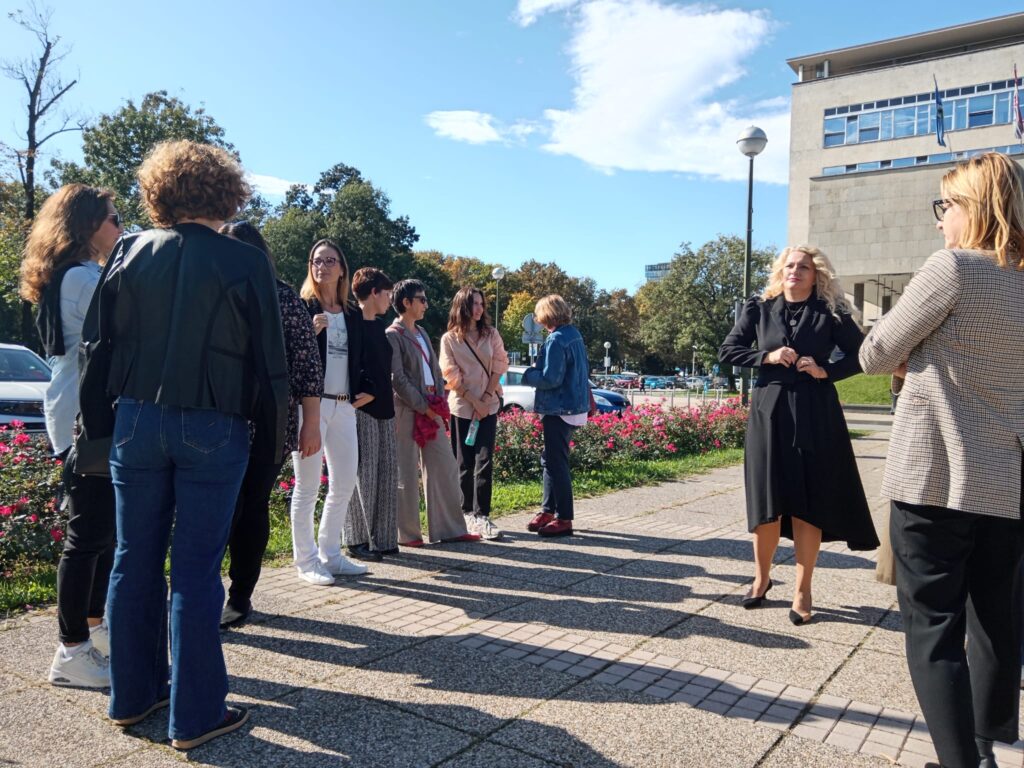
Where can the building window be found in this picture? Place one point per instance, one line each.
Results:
(907, 162)
(835, 132)
(904, 120)
(980, 111)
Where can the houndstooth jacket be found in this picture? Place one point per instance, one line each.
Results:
(956, 438)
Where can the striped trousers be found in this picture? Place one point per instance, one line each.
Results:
(373, 511)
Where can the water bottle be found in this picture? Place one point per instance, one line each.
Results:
(474, 427)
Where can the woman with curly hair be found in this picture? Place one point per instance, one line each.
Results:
(473, 360)
(72, 235)
(186, 342)
(801, 475)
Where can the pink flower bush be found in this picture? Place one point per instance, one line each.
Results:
(31, 521)
(649, 431)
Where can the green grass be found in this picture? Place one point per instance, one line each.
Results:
(37, 585)
(28, 586)
(864, 390)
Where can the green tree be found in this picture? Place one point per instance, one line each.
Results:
(514, 308)
(13, 230)
(114, 148)
(693, 304)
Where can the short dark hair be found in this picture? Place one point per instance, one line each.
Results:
(367, 280)
(405, 290)
(248, 234)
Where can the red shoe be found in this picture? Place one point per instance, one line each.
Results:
(539, 521)
(557, 528)
(463, 537)
(413, 543)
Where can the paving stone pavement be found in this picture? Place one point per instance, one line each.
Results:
(624, 645)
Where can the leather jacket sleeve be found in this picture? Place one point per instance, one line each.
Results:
(97, 405)
(269, 358)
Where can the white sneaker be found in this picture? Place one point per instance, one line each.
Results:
(344, 567)
(84, 669)
(315, 574)
(100, 636)
(471, 521)
(487, 529)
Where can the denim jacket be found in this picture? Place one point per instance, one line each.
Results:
(561, 374)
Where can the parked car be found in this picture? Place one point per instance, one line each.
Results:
(24, 376)
(698, 382)
(660, 382)
(518, 396)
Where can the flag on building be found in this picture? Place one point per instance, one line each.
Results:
(940, 118)
(1018, 119)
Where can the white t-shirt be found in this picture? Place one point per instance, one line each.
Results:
(60, 403)
(428, 375)
(575, 420)
(336, 370)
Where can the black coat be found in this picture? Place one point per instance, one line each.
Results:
(186, 317)
(798, 458)
(359, 378)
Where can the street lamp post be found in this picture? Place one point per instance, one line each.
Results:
(497, 273)
(751, 143)
(607, 357)
(693, 362)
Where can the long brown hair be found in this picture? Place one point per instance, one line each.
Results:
(61, 233)
(460, 318)
(310, 287)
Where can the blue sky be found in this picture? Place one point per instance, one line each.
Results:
(598, 134)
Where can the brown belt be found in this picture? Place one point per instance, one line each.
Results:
(339, 398)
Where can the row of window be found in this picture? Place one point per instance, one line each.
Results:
(967, 90)
(919, 120)
(906, 162)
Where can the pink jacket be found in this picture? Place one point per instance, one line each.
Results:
(464, 374)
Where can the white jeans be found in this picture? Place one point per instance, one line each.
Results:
(338, 433)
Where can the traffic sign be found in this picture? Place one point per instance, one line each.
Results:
(532, 331)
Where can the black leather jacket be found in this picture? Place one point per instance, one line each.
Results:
(192, 320)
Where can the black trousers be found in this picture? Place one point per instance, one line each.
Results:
(554, 461)
(957, 572)
(476, 463)
(83, 573)
(250, 531)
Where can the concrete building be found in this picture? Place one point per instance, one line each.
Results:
(656, 271)
(865, 162)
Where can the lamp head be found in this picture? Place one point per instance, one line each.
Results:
(752, 141)
(497, 273)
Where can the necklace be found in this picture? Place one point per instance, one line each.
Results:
(793, 311)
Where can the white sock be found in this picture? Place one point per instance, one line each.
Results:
(69, 651)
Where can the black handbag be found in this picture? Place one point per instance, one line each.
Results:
(91, 457)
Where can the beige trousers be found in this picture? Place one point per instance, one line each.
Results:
(440, 483)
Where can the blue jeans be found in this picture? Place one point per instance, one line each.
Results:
(554, 461)
(180, 468)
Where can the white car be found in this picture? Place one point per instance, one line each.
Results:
(24, 376)
(519, 397)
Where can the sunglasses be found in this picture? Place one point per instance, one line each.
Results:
(939, 208)
(422, 299)
(324, 261)
(116, 218)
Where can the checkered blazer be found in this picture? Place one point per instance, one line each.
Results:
(956, 438)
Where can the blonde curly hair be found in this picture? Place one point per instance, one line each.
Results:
(61, 233)
(182, 180)
(825, 281)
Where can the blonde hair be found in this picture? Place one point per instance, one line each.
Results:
(553, 311)
(61, 233)
(182, 180)
(990, 189)
(825, 282)
(311, 288)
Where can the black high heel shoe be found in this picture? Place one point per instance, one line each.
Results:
(754, 601)
(799, 619)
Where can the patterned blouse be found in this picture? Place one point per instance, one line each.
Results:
(305, 374)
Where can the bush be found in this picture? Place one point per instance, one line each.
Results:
(31, 521)
(646, 432)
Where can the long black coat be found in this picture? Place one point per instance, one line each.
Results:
(798, 459)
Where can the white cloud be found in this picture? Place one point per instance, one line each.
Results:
(478, 127)
(646, 77)
(528, 11)
(464, 125)
(271, 185)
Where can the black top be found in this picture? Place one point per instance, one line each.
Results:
(377, 359)
(48, 317)
(191, 319)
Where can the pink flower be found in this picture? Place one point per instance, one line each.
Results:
(324, 478)
(283, 485)
(21, 438)
(57, 534)
(718, 443)
(5, 448)
(17, 424)
(572, 443)
(23, 500)
(33, 518)
(610, 444)
(6, 511)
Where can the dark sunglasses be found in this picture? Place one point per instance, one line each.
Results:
(422, 299)
(116, 218)
(939, 208)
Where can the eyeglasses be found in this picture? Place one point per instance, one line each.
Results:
(116, 218)
(324, 261)
(939, 208)
(421, 299)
